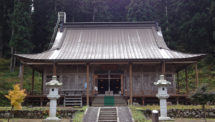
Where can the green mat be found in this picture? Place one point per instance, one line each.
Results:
(109, 101)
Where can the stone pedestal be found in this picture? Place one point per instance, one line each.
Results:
(163, 95)
(53, 95)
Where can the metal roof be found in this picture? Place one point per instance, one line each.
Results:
(109, 41)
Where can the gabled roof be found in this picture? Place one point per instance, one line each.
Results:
(109, 41)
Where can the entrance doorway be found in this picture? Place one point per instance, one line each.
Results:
(109, 83)
(102, 86)
(115, 86)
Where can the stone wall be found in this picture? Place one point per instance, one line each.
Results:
(174, 113)
(36, 114)
(185, 113)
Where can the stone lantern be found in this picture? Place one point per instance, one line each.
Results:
(53, 95)
(162, 95)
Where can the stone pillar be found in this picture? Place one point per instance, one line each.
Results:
(162, 95)
(53, 95)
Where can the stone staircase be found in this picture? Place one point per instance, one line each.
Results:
(98, 101)
(73, 101)
(108, 114)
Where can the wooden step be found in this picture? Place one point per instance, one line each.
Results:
(73, 101)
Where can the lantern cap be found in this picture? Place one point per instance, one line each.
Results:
(54, 82)
(162, 81)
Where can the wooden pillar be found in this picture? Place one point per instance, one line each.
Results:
(163, 68)
(54, 70)
(42, 83)
(186, 79)
(22, 76)
(32, 82)
(121, 77)
(197, 75)
(130, 83)
(88, 84)
(178, 87)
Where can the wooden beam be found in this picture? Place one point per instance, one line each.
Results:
(178, 87)
(88, 67)
(119, 62)
(197, 75)
(22, 76)
(130, 83)
(54, 70)
(181, 62)
(32, 82)
(186, 79)
(163, 68)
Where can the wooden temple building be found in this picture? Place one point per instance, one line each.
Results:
(109, 59)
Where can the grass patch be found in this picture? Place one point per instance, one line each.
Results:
(8, 79)
(138, 115)
(79, 115)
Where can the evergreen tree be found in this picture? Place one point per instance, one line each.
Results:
(212, 25)
(140, 10)
(44, 19)
(191, 23)
(1, 29)
(5, 26)
(117, 10)
(21, 26)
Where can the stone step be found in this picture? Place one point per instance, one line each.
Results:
(107, 115)
(118, 101)
(107, 121)
(107, 118)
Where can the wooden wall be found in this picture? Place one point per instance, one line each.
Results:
(74, 77)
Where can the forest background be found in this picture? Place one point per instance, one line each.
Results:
(26, 26)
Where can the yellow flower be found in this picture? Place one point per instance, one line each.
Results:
(16, 96)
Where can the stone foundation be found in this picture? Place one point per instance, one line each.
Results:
(173, 113)
(185, 113)
(37, 114)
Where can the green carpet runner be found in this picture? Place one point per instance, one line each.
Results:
(109, 101)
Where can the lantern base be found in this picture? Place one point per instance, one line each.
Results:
(165, 119)
(52, 119)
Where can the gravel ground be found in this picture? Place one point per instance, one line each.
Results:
(91, 114)
(124, 114)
